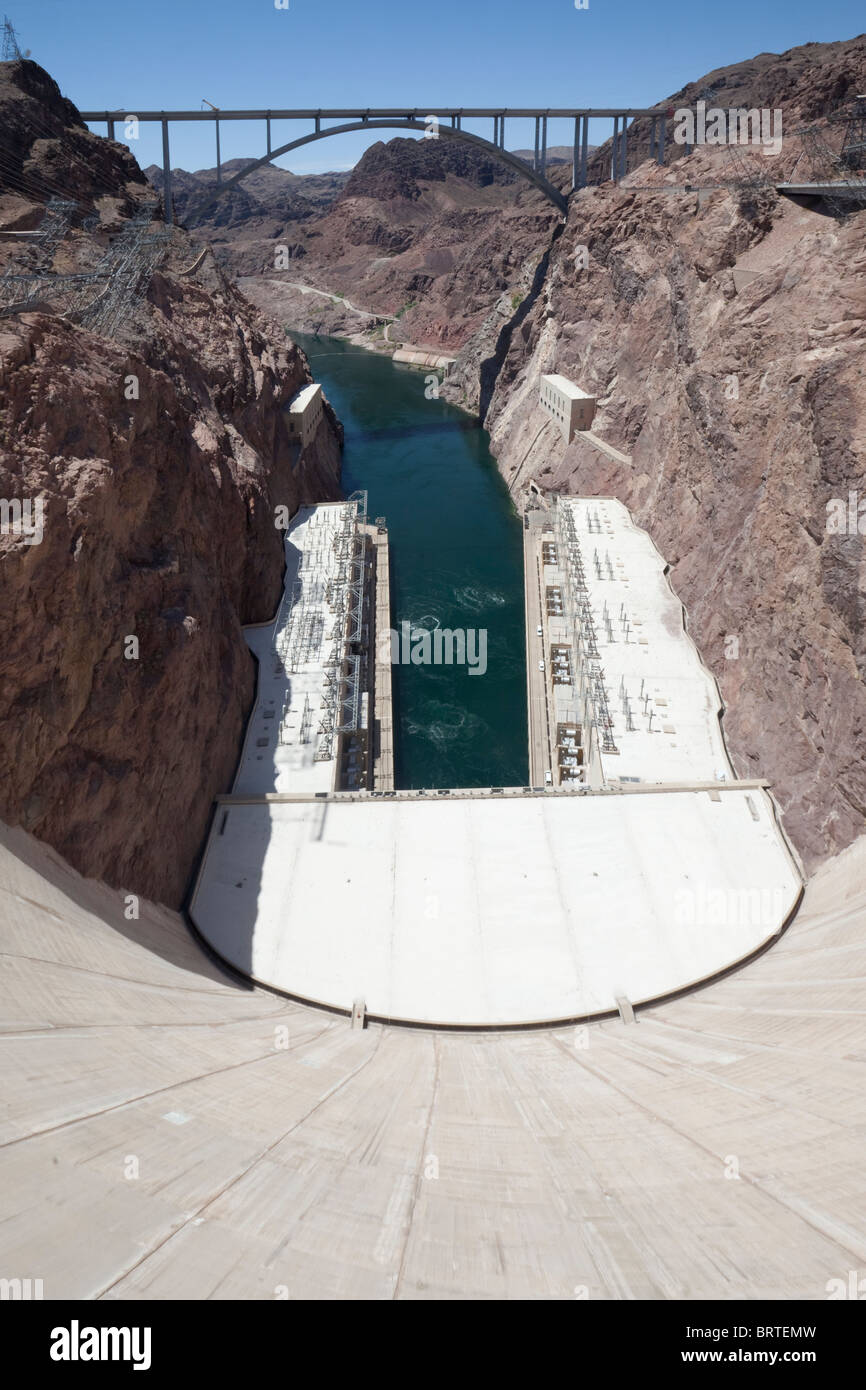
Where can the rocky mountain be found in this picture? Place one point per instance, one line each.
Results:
(268, 200)
(806, 84)
(429, 231)
(154, 454)
(720, 326)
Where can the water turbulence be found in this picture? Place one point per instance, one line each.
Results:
(456, 567)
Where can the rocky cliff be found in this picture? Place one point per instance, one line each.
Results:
(724, 336)
(158, 455)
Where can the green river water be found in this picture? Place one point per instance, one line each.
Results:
(456, 561)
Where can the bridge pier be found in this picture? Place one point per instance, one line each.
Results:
(219, 161)
(268, 124)
(613, 170)
(660, 155)
(537, 142)
(111, 130)
(168, 211)
(623, 148)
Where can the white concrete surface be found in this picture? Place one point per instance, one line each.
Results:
(593, 1159)
(283, 744)
(483, 910)
(422, 357)
(675, 705)
(493, 910)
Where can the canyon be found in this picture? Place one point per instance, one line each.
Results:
(427, 233)
(720, 325)
(170, 1130)
(720, 329)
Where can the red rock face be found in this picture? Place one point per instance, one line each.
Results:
(48, 150)
(159, 525)
(126, 680)
(741, 399)
(429, 230)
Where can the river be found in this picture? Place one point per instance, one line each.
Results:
(456, 562)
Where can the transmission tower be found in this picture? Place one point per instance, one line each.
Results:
(853, 154)
(11, 52)
(828, 167)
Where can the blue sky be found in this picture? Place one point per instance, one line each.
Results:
(162, 54)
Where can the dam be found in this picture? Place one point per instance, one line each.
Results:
(281, 1153)
(172, 1132)
(632, 867)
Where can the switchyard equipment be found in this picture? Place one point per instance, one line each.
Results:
(853, 155)
(102, 299)
(587, 658)
(322, 627)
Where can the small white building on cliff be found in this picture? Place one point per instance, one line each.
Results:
(565, 403)
(304, 413)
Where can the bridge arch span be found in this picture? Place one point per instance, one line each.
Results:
(553, 195)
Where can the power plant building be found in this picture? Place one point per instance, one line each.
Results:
(571, 408)
(304, 413)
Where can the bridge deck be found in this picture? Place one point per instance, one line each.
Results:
(419, 113)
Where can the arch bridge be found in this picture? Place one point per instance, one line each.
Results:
(447, 123)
